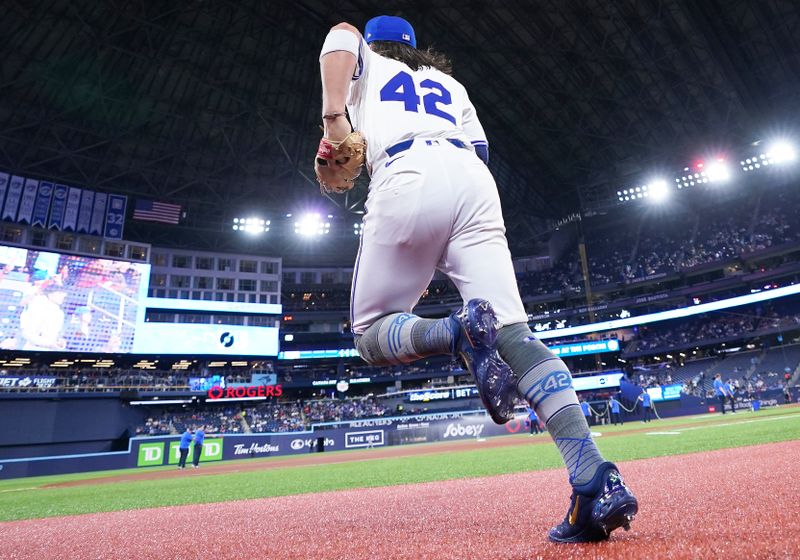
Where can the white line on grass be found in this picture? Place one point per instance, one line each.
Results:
(737, 423)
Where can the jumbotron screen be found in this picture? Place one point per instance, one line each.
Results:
(56, 302)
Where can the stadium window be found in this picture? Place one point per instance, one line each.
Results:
(225, 265)
(262, 298)
(204, 263)
(173, 294)
(224, 283)
(137, 253)
(161, 293)
(184, 294)
(251, 298)
(179, 281)
(273, 298)
(289, 278)
(181, 261)
(64, 241)
(269, 286)
(307, 278)
(248, 266)
(328, 278)
(158, 279)
(111, 249)
(38, 238)
(229, 297)
(240, 298)
(219, 296)
(159, 259)
(196, 295)
(89, 245)
(12, 234)
(208, 296)
(269, 267)
(247, 285)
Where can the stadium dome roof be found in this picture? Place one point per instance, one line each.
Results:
(214, 105)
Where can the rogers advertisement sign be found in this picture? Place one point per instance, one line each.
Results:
(242, 392)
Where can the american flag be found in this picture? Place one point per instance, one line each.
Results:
(152, 211)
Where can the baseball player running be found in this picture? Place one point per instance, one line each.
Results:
(433, 204)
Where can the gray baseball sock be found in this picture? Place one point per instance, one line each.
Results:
(546, 383)
(401, 338)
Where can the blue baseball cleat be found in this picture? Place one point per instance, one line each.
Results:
(475, 341)
(597, 508)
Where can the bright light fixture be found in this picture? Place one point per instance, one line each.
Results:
(312, 225)
(658, 190)
(781, 151)
(718, 171)
(251, 225)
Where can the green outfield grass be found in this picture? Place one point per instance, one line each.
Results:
(27, 498)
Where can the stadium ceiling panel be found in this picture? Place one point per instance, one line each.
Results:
(214, 105)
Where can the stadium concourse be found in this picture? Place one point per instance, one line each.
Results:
(174, 286)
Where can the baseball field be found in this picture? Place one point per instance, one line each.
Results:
(708, 485)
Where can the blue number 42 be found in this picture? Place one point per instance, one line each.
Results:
(401, 88)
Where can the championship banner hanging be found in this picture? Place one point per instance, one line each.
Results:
(3, 186)
(71, 211)
(85, 213)
(12, 199)
(28, 201)
(42, 204)
(59, 205)
(98, 213)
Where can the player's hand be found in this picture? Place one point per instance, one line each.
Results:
(337, 129)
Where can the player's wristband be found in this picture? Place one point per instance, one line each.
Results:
(333, 115)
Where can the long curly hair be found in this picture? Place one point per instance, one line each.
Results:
(413, 58)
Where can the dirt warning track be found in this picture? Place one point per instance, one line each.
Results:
(733, 503)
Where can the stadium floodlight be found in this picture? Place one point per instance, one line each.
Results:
(358, 228)
(658, 190)
(252, 226)
(312, 225)
(781, 151)
(717, 171)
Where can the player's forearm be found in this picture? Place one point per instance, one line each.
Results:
(337, 70)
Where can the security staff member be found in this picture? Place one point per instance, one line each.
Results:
(186, 440)
(199, 436)
(587, 412)
(534, 421)
(647, 406)
(720, 391)
(615, 416)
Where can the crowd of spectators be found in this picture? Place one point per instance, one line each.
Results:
(279, 416)
(681, 334)
(627, 246)
(176, 420)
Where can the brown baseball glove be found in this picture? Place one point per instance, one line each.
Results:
(338, 164)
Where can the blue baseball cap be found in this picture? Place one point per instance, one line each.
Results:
(390, 28)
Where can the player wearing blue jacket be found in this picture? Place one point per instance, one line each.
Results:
(647, 406)
(199, 436)
(615, 416)
(186, 441)
(723, 393)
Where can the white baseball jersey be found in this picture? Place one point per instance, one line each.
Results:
(432, 202)
(390, 103)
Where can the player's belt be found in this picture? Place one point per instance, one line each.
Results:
(392, 151)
